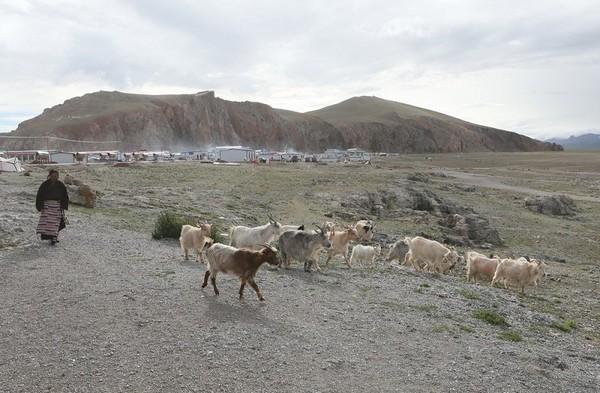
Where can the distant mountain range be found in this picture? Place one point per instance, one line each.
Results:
(197, 120)
(589, 141)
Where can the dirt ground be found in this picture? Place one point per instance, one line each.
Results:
(111, 310)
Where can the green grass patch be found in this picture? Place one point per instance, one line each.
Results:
(466, 328)
(424, 285)
(510, 335)
(491, 317)
(468, 294)
(168, 225)
(215, 234)
(566, 326)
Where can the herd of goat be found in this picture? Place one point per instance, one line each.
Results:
(249, 248)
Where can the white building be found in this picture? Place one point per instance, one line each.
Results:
(37, 156)
(332, 155)
(145, 155)
(355, 154)
(235, 154)
(197, 155)
(96, 156)
(62, 157)
(292, 157)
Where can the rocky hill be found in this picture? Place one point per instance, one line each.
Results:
(196, 120)
(381, 125)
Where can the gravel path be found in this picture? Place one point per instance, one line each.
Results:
(113, 311)
(495, 182)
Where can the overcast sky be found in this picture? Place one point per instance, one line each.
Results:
(527, 66)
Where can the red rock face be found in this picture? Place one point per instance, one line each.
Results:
(180, 122)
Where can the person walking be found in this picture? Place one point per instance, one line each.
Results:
(51, 201)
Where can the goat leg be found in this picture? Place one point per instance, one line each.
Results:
(242, 285)
(329, 255)
(346, 259)
(255, 287)
(307, 264)
(206, 275)
(213, 280)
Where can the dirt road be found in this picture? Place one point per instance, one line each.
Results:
(111, 310)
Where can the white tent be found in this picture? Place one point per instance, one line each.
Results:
(10, 165)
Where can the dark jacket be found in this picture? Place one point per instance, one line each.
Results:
(56, 191)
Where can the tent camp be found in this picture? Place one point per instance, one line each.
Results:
(10, 165)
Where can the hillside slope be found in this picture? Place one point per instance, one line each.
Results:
(197, 120)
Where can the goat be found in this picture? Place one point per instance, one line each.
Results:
(244, 237)
(241, 263)
(194, 237)
(302, 245)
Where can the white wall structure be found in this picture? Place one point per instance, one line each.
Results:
(357, 155)
(61, 157)
(235, 153)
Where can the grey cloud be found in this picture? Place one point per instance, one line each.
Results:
(334, 48)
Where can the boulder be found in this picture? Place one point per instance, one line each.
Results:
(423, 200)
(70, 180)
(470, 227)
(479, 230)
(555, 205)
(82, 195)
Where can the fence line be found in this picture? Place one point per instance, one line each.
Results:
(55, 138)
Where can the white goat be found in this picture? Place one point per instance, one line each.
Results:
(252, 238)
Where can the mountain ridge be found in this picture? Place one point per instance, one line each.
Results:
(202, 119)
(587, 141)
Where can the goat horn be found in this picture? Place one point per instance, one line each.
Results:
(267, 246)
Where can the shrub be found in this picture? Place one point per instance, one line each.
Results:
(215, 234)
(565, 326)
(168, 225)
(490, 317)
(510, 335)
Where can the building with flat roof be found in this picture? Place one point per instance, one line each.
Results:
(235, 154)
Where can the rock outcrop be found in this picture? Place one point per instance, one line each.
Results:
(555, 205)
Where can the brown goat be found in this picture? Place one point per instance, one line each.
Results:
(241, 263)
